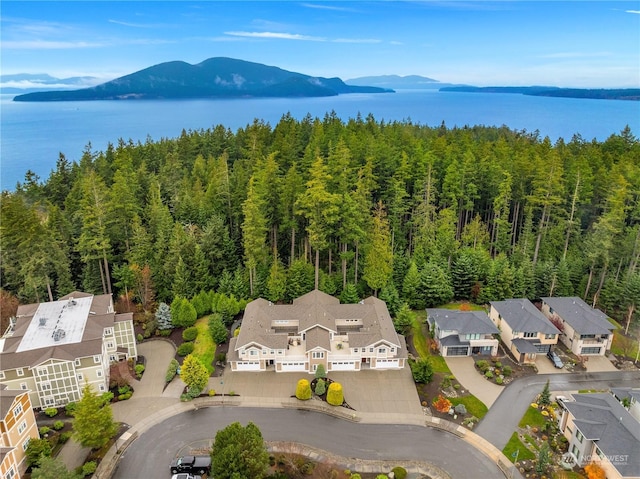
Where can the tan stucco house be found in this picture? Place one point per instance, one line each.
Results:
(17, 427)
(463, 333)
(524, 330)
(53, 349)
(584, 330)
(317, 329)
(600, 430)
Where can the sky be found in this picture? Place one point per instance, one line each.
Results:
(568, 44)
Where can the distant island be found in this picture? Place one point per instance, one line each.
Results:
(632, 94)
(218, 77)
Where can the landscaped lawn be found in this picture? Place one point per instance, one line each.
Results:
(204, 347)
(474, 406)
(532, 418)
(469, 306)
(422, 347)
(514, 445)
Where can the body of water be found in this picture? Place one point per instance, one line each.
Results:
(34, 134)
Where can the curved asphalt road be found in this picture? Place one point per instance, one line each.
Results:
(150, 454)
(505, 413)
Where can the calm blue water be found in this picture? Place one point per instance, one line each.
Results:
(33, 134)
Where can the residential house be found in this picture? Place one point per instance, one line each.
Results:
(524, 330)
(584, 330)
(630, 399)
(17, 427)
(53, 349)
(463, 333)
(600, 430)
(316, 329)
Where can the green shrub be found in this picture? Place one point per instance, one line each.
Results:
(303, 390)
(335, 396)
(125, 396)
(483, 365)
(506, 371)
(488, 374)
(64, 437)
(70, 408)
(51, 411)
(89, 468)
(456, 386)
(124, 389)
(498, 364)
(185, 349)
(164, 332)
(44, 430)
(172, 370)
(320, 371)
(422, 370)
(321, 387)
(58, 425)
(221, 358)
(190, 334)
(139, 337)
(139, 369)
(399, 472)
(499, 381)
(212, 392)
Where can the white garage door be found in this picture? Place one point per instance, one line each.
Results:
(387, 363)
(343, 365)
(249, 366)
(294, 366)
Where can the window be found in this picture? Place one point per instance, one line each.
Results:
(99, 373)
(473, 336)
(45, 386)
(23, 386)
(112, 357)
(382, 350)
(273, 352)
(80, 377)
(530, 335)
(22, 427)
(20, 372)
(42, 371)
(1, 374)
(77, 361)
(17, 410)
(393, 350)
(108, 331)
(576, 452)
(355, 350)
(587, 336)
(11, 473)
(253, 352)
(317, 354)
(370, 350)
(96, 359)
(549, 336)
(101, 387)
(25, 444)
(579, 436)
(110, 345)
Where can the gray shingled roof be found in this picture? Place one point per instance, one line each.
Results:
(601, 418)
(525, 346)
(318, 338)
(582, 317)
(91, 343)
(7, 396)
(522, 316)
(318, 309)
(464, 322)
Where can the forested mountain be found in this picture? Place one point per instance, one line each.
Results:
(632, 94)
(409, 212)
(213, 78)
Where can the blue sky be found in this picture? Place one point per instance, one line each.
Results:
(572, 44)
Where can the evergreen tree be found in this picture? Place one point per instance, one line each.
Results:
(404, 320)
(349, 294)
(411, 287)
(389, 294)
(93, 424)
(545, 395)
(378, 264)
(239, 453)
(277, 282)
(463, 276)
(435, 286)
(217, 329)
(163, 317)
(299, 279)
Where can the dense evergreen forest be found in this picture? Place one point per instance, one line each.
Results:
(411, 213)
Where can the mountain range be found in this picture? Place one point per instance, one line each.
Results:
(28, 82)
(218, 77)
(396, 82)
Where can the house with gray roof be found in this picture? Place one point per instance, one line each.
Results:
(53, 349)
(584, 330)
(599, 429)
(524, 330)
(463, 333)
(316, 329)
(630, 399)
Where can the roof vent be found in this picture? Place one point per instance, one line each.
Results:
(42, 321)
(58, 334)
(72, 302)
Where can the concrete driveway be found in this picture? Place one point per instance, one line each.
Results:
(595, 364)
(464, 370)
(545, 366)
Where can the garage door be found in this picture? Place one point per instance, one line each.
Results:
(248, 366)
(294, 366)
(458, 351)
(386, 363)
(343, 365)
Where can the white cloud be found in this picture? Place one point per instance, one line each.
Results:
(324, 6)
(637, 12)
(48, 45)
(127, 24)
(576, 55)
(275, 35)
